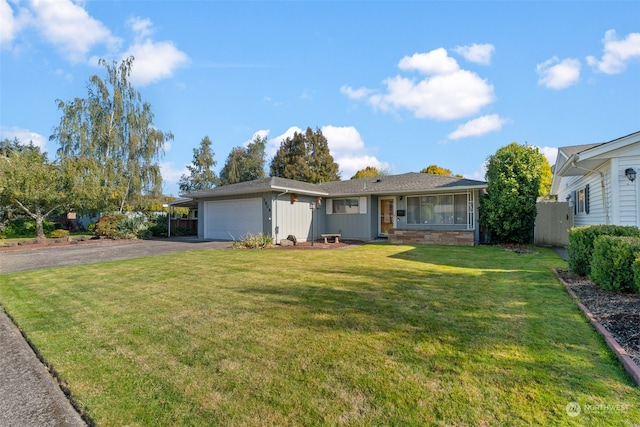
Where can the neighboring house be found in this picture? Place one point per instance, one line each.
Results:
(599, 181)
(407, 208)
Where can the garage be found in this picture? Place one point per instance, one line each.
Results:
(232, 219)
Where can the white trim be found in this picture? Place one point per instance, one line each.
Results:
(362, 205)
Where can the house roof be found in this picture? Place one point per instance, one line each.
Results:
(400, 184)
(578, 160)
(261, 186)
(392, 184)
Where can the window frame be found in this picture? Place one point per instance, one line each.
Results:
(456, 205)
(351, 206)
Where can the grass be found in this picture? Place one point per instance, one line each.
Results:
(374, 335)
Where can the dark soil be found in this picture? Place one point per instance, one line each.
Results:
(619, 313)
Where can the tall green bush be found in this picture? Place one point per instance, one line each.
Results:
(612, 263)
(636, 274)
(581, 241)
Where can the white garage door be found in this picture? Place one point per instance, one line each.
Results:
(232, 219)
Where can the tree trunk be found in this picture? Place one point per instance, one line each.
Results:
(39, 217)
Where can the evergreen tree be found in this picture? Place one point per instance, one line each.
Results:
(245, 163)
(111, 135)
(305, 157)
(509, 207)
(201, 175)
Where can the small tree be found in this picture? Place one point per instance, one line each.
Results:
(369, 172)
(509, 207)
(437, 170)
(305, 157)
(201, 175)
(33, 185)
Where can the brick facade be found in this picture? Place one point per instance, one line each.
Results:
(432, 237)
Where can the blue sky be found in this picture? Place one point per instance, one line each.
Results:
(396, 85)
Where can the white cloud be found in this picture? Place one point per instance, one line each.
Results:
(12, 23)
(68, 27)
(171, 174)
(550, 153)
(352, 93)
(478, 53)
(350, 164)
(23, 135)
(154, 61)
(442, 97)
(447, 92)
(556, 74)
(435, 62)
(349, 151)
(617, 53)
(479, 126)
(143, 28)
(343, 140)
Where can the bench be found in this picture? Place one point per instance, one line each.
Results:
(334, 235)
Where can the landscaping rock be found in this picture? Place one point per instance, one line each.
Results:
(286, 242)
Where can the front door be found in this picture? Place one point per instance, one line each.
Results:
(387, 215)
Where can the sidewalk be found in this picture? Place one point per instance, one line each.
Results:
(29, 395)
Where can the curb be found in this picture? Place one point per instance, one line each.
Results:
(629, 365)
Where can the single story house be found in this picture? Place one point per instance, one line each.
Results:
(599, 181)
(406, 208)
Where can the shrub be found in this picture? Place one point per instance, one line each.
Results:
(612, 263)
(25, 227)
(158, 225)
(108, 226)
(636, 274)
(253, 242)
(59, 234)
(581, 241)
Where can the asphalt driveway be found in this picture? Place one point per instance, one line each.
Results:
(26, 258)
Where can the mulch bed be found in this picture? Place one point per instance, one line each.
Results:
(619, 313)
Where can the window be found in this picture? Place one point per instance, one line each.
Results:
(438, 210)
(582, 200)
(346, 206)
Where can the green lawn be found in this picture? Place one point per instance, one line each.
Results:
(373, 335)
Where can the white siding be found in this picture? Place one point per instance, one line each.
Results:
(597, 209)
(627, 212)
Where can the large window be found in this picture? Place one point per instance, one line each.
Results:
(438, 210)
(346, 206)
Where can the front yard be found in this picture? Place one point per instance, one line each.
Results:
(372, 335)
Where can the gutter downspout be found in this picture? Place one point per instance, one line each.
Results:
(276, 215)
(604, 196)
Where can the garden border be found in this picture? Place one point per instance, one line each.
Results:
(629, 365)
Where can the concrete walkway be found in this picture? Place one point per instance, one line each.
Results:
(29, 395)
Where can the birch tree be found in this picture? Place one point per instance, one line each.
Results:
(110, 138)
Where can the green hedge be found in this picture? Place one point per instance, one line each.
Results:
(581, 241)
(636, 274)
(612, 266)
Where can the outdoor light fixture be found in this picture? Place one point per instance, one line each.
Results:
(630, 173)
